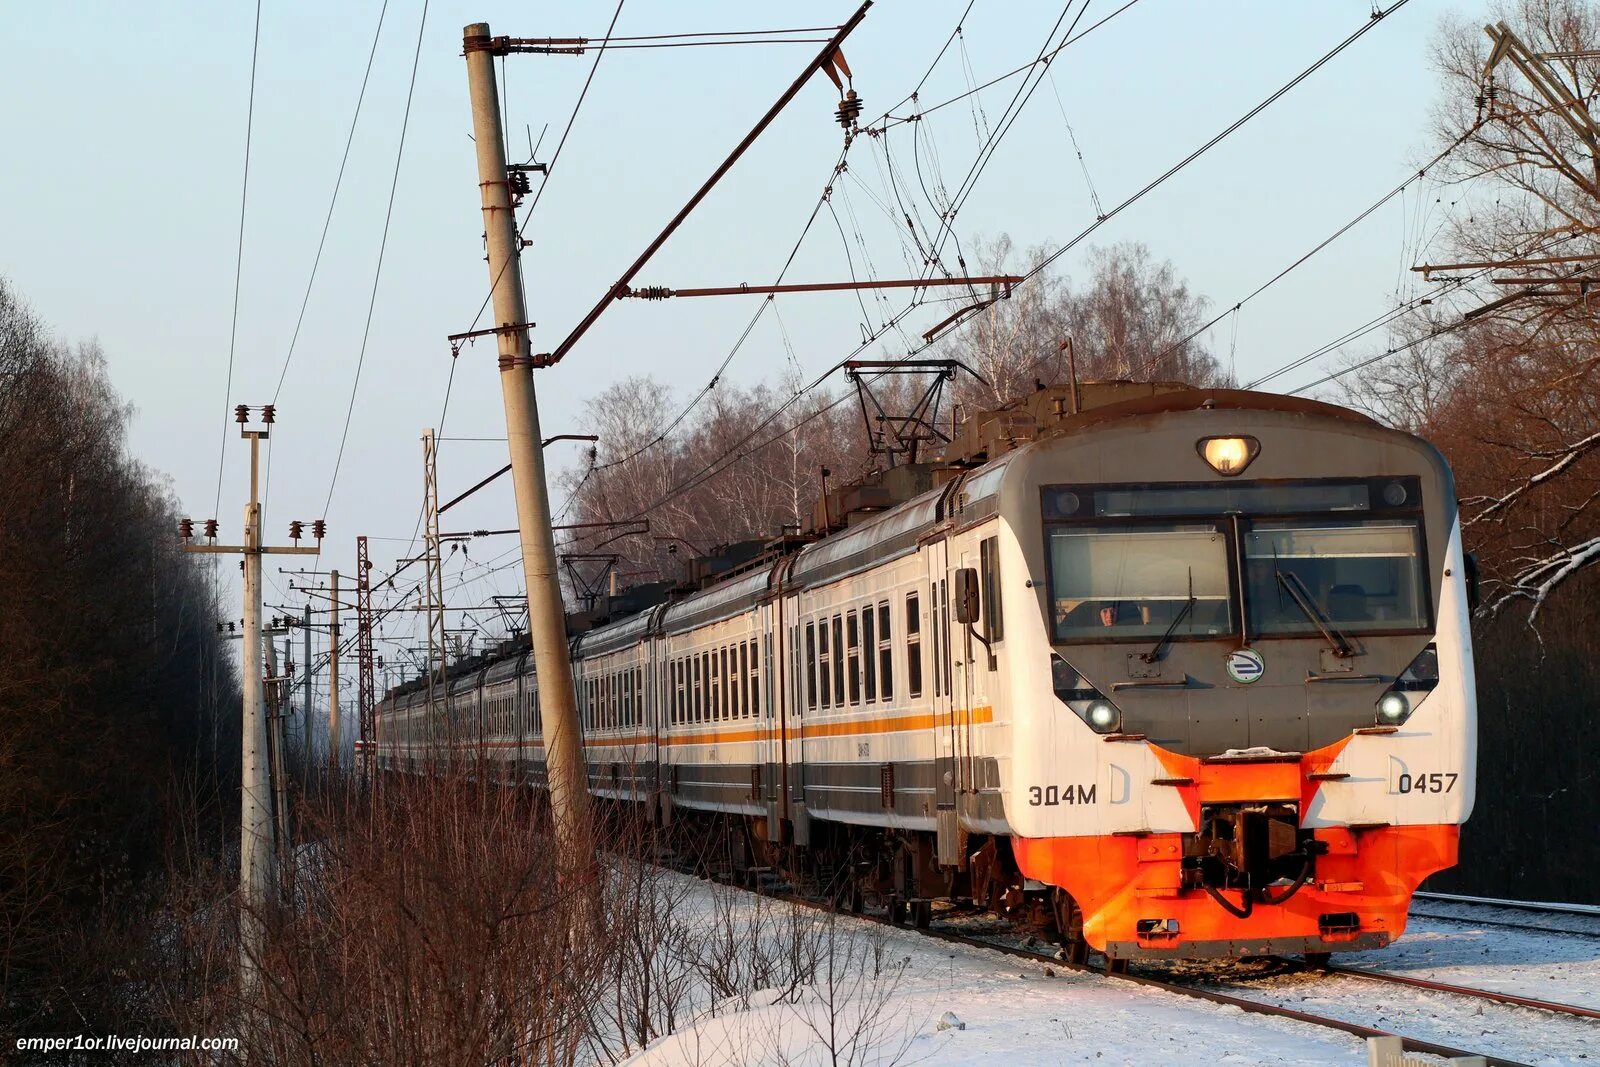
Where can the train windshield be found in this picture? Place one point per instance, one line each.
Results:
(1362, 577)
(1133, 582)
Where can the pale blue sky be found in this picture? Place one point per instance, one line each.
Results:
(124, 135)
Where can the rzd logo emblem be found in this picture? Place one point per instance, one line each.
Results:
(1246, 666)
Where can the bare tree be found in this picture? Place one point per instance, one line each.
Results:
(1511, 395)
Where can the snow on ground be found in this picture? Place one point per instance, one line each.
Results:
(1557, 967)
(1001, 1010)
(898, 997)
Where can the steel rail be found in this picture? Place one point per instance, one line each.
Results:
(1255, 1007)
(1465, 920)
(1465, 991)
(1547, 907)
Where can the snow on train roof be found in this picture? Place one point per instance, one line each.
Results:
(893, 533)
(717, 602)
(614, 635)
(882, 537)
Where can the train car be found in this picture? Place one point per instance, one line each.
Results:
(1189, 673)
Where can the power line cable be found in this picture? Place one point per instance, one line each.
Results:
(327, 222)
(551, 166)
(238, 263)
(377, 273)
(1360, 217)
(739, 448)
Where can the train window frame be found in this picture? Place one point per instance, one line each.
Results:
(696, 701)
(943, 623)
(885, 651)
(824, 665)
(796, 658)
(914, 673)
(811, 665)
(756, 679)
(869, 654)
(989, 581)
(852, 656)
(838, 661)
(1416, 523)
(1413, 507)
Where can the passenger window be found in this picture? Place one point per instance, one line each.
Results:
(853, 656)
(744, 684)
(811, 666)
(824, 665)
(838, 661)
(885, 653)
(755, 674)
(913, 647)
(989, 573)
(869, 653)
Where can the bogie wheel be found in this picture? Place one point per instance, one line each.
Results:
(1069, 925)
(1319, 961)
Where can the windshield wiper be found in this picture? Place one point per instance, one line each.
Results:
(1155, 653)
(1296, 588)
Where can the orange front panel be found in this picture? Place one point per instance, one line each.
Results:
(1118, 881)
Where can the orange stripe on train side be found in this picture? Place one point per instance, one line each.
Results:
(881, 724)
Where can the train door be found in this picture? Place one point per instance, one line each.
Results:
(947, 782)
(756, 685)
(968, 685)
(795, 668)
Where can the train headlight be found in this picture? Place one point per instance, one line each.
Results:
(1228, 456)
(1102, 715)
(1393, 707)
(1419, 679)
(1079, 694)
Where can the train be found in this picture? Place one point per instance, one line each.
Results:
(1186, 673)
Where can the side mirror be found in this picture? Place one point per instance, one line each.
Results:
(966, 595)
(1474, 593)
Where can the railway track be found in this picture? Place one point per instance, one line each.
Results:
(939, 931)
(1568, 920)
(1574, 1010)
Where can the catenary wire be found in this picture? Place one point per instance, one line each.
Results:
(238, 263)
(377, 273)
(739, 448)
(327, 222)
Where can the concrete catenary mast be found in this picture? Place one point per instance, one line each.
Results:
(569, 794)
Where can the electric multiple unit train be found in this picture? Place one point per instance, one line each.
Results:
(1188, 674)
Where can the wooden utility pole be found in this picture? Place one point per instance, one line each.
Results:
(257, 866)
(568, 776)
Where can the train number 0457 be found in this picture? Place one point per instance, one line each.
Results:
(1435, 782)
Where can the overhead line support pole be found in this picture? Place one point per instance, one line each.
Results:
(257, 864)
(567, 772)
(621, 287)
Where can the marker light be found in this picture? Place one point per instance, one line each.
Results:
(1228, 456)
(1102, 715)
(1393, 707)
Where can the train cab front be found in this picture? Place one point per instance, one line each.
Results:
(1251, 730)
(1251, 879)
